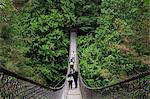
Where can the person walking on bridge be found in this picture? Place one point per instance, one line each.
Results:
(70, 79)
(71, 66)
(75, 77)
(71, 63)
(73, 56)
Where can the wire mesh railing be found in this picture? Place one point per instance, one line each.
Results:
(13, 86)
(136, 87)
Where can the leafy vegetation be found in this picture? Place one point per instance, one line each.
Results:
(42, 40)
(8, 53)
(113, 39)
(119, 46)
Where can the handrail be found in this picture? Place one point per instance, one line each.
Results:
(9, 73)
(59, 83)
(24, 88)
(134, 87)
(138, 76)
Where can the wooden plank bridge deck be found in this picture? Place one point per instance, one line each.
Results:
(73, 93)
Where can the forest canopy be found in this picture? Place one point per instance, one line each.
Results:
(119, 45)
(113, 38)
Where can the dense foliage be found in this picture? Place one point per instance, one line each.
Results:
(119, 46)
(41, 34)
(9, 55)
(113, 41)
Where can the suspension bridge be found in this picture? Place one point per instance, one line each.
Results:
(13, 86)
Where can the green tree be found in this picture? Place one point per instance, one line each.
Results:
(111, 53)
(45, 28)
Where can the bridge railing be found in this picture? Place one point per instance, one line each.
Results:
(13, 86)
(136, 87)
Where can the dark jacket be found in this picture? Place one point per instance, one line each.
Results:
(75, 75)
